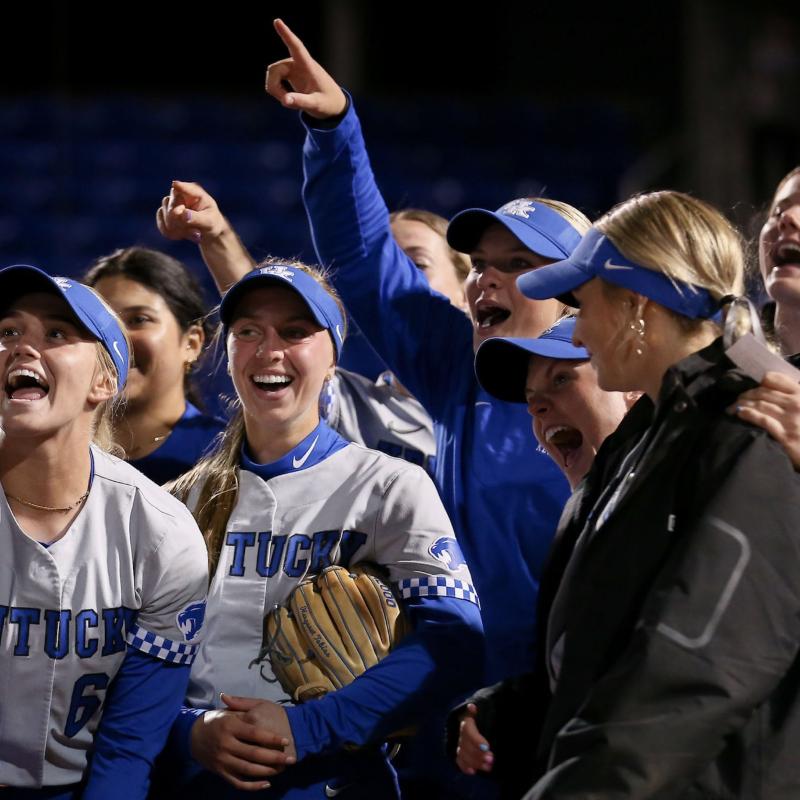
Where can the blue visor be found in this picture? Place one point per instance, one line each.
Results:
(320, 303)
(537, 226)
(597, 257)
(501, 364)
(90, 310)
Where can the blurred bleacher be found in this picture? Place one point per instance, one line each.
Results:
(81, 177)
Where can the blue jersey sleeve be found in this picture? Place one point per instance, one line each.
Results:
(431, 669)
(413, 328)
(141, 706)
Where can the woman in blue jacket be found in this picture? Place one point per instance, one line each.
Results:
(503, 495)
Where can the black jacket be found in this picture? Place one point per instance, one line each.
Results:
(677, 618)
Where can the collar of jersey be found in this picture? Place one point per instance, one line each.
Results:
(321, 443)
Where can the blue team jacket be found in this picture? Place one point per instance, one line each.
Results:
(503, 494)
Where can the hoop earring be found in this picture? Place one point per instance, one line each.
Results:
(638, 328)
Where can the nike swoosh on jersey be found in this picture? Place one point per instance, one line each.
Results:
(298, 462)
(609, 265)
(330, 791)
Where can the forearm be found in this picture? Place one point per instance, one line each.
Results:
(401, 316)
(141, 706)
(226, 257)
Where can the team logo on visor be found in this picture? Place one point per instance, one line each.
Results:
(63, 283)
(518, 208)
(278, 271)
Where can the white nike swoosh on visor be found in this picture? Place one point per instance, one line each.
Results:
(116, 348)
(609, 265)
(298, 462)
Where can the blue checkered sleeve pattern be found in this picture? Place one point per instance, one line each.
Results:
(437, 586)
(157, 646)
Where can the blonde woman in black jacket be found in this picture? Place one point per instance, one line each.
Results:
(673, 636)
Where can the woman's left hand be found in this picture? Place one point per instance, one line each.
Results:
(264, 714)
(775, 407)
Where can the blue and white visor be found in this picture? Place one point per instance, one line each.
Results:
(597, 257)
(501, 364)
(321, 305)
(537, 226)
(90, 310)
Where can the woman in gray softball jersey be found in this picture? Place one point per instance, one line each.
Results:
(103, 574)
(283, 497)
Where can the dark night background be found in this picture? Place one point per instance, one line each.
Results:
(102, 105)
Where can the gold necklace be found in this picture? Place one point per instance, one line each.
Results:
(49, 508)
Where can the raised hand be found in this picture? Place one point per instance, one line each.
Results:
(300, 82)
(189, 212)
(473, 753)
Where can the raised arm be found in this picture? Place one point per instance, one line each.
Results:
(414, 329)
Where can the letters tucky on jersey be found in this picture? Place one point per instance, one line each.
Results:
(355, 505)
(130, 572)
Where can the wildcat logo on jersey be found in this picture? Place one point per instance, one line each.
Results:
(190, 620)
(447, 550)
(518, 208)
(279, 271)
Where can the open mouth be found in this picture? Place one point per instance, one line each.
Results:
(25, 384)
(566, 440)
(488, 316)
(272, 383)
(788, 253)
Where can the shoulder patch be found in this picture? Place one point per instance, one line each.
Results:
(447, 550)
(190, 620)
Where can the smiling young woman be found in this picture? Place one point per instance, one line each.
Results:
(104, 575)
(162, 428)
(281, 497)
(779, 259)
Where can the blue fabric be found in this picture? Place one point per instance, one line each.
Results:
(322, 442)
(320, 302)
(503, 494)
(140, 708)
(597, 257)
(92, 312)
(183, 448)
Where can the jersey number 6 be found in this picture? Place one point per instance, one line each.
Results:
(83, 707)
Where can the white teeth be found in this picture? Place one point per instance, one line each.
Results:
(551, 432)
(272, 379)
(27, 373)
